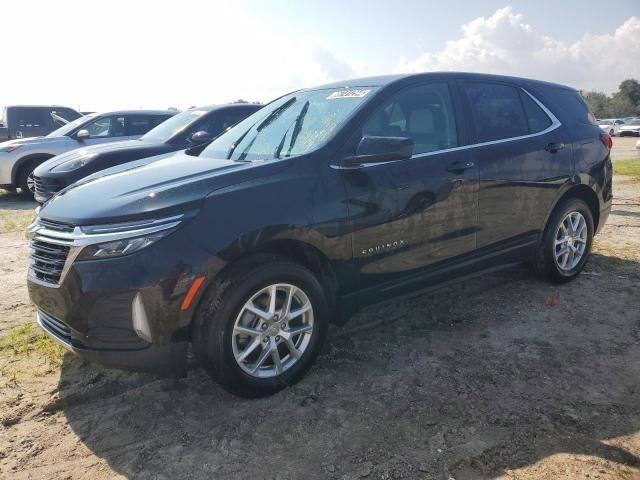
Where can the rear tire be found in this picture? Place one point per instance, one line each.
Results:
(245, 363)
(566, 242)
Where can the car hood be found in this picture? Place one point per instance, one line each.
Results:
(92, 151)
(34, 141)
(159, 186)
(630, 127)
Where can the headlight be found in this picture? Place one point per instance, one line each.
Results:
(118, 248)
(71, 165)
(10, 148)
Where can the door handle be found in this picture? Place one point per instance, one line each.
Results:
(459, 166)
(554, 147)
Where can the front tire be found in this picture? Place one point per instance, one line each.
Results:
(566, 242)
(261, 326)
(23, 182)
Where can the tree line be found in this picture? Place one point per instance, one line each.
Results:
(623, 103)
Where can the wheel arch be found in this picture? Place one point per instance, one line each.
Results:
(584, 193)
(293, 249)
(27, 160)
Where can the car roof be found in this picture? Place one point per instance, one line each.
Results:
(38, 106)
(386, 80)
(231, 106)
(140, 112)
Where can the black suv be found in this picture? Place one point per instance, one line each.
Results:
(188, 129)
(322, 202)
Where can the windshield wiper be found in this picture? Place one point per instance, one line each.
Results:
(297, 126)
(275, 114)
(265, 123)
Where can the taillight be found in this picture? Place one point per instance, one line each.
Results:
(607, 140)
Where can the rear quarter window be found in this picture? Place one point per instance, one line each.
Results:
(570, 107)
(536, 118)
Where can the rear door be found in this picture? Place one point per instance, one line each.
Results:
(407, 215)
(523, 157)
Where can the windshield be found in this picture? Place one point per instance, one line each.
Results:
(171, 127)
(633, 122)
(62, 131)
(292, 125)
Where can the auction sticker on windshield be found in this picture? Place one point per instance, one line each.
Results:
(349, 93)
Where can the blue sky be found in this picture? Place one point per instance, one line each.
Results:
(156, 54)
(378, 32)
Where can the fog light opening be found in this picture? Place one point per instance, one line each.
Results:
(140, 321)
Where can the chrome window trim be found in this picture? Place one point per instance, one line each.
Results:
(555, 123)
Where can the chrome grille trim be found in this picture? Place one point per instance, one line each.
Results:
(54, 243)
(55, 329)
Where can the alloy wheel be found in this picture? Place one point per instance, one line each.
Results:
(570, 241)
(272, 330)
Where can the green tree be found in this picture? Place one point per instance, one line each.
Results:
(599, 104)
(630, 89)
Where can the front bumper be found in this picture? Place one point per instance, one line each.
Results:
(44, 188)
(94, 309)
(629, 133)
(168, 360)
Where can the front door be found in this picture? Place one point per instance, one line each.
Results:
(409, 214)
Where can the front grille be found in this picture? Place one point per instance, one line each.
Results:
(43, 189)
(55, 327)
(47, 260)
(58, 227)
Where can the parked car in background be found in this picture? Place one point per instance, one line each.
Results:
(630, 128)
(610, 125)
(187, 129)
(25, 121)
(18, 158)
(324, 201)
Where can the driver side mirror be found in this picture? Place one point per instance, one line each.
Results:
(200, 137)
(83, 135)
(380, 149)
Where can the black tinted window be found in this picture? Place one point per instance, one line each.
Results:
(537, 119)
(139, 124)
(497, 111)
(570, 107)
(424, 113)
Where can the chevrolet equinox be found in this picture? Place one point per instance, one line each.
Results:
(324, 201)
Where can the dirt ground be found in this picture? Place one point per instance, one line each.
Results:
(502, 376)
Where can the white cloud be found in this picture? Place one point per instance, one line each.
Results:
(505, 44)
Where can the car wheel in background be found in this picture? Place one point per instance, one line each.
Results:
(261, 326)
(566, 242)
(25, 182)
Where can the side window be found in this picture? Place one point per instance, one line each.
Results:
(497, 111)
(536, 118)
(570, 106)
(106, 127)
(230, 120)
(31, 118)
(138, 124)
(424, 113)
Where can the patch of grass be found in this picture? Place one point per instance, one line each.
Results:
(25, 339)
(15, 220)
(627, 167)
